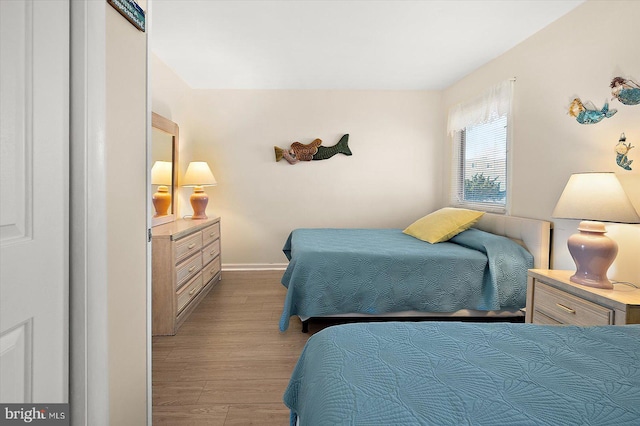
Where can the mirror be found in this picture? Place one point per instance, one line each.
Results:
(164, 169)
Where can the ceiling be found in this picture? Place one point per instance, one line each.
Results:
(373, 45)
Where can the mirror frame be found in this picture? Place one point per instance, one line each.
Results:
(164, 124)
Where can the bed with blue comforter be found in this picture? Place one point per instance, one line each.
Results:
(435, 373)
(382, 271)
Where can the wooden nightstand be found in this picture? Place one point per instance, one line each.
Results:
(553, 299)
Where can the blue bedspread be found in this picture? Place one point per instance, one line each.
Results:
(436, 373)
(377, 271)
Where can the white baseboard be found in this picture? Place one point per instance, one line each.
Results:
(254, 266)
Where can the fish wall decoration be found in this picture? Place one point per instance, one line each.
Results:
(622, 148)
(312, 151)
(626, 91)
(587, 113)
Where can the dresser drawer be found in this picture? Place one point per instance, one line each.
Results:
(188, 292)
(188, 269)
(210, 252)
(210, 270)
(210, 234)
(184, 247)
(557, 305)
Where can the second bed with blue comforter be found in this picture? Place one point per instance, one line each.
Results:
(380, 271)
(451, 373)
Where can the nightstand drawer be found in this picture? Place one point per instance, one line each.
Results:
(560, 306)
(542, 319)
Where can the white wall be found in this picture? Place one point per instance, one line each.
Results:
(126, 218)
(576, 56)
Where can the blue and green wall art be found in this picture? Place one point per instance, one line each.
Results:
(626, 91)
(587, 113)
(622, 149)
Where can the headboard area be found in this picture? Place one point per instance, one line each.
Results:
(533, 233)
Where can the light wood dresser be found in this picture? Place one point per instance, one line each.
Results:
(553, 299)
(185, 267)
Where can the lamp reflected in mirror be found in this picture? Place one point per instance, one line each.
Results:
(164, 171)
(161, 174)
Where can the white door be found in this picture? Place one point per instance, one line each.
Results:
(34, 200)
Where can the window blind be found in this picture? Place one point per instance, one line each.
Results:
(480, 150)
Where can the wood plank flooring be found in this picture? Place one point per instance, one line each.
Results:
(229, 364)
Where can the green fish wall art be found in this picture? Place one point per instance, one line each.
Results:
(312, 151)
(626, 91)
(622, 148)
(587, 113)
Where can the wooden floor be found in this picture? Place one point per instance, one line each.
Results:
(229, 364)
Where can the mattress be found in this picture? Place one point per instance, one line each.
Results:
(380, 271)
(435, 373)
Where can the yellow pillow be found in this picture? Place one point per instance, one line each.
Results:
(443, 224)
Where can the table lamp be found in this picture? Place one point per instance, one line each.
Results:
(594, 198)
(198, 176)
(161, 175)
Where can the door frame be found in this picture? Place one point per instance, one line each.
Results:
(88, 315)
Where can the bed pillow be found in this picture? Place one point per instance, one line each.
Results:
(443, 224)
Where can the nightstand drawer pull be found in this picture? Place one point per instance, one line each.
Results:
(192, 291)
(192, 245)
(566, 308)
(192, 268)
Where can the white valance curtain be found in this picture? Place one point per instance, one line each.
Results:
(493, 103)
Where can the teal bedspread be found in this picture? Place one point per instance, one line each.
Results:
(377, 271)
(435, 373)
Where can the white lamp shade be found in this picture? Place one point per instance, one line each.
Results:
(198, 174)
(597, 197)
(161, 173)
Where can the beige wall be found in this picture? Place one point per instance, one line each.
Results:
(126, 219)
(577, 56)
(400, 167)
(391, 179)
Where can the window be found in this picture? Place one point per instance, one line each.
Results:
(480, 136)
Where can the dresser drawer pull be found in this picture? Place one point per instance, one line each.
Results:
(192, 268)
(212, 234)
(192, 245)
(212, 252)
(565, 308)
(213, 271)
(192, 291)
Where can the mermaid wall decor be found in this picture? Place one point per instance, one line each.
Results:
(622, 149)
(312, 151)
(626, 91)
(587, 113)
